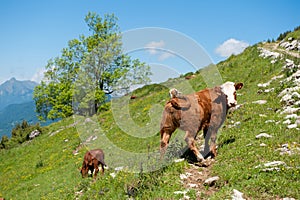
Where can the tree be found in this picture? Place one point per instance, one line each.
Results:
(90, 68)
(4, 141)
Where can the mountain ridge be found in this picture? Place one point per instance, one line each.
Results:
(16, 104)
(14, 91)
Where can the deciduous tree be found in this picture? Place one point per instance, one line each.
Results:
(88, 69)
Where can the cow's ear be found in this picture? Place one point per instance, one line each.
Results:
(238, 86)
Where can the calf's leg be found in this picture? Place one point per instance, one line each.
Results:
(102, 166)
(84, 169)
(96, 167)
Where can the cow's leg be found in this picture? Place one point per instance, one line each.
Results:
(211, 134)
(164, 141)
(84, 172)
(96, 167)
(190, 140)
(206, 134)
(213, 147)
(84, 169)
(102, 166)
(91, 168)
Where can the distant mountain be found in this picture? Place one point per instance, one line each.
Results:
(16, 92)
(16, 105)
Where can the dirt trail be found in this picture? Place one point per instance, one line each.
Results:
(275, 47)
(195, 177)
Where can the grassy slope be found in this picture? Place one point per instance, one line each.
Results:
(46, 168)
(237, 160)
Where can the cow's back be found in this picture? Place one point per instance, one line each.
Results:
(198, 115)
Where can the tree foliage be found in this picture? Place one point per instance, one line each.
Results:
(88, 69)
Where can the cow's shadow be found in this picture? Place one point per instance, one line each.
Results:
(190, 157)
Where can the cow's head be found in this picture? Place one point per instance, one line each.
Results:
(229, 89)
(83, 171)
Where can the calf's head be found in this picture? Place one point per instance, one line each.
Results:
(83, 171)
(229, 89)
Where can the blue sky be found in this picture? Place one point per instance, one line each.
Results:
(34, 31)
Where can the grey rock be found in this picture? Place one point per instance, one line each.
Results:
(34, 134)
(265, 135)
(211, 181)
(237, 195)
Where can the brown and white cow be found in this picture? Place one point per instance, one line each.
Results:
(91, 161)
(204, 110)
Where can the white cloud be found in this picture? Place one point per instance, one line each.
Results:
(157, 48)
(165, 55)
(154, 46)
(38, 76)
(231, 46)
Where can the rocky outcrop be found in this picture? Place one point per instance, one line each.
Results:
(290, 45)
(290, 94)
(265, 53)
(290, 97)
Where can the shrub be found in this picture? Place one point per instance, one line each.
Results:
(19, 134)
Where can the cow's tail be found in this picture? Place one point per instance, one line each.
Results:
(181, 103)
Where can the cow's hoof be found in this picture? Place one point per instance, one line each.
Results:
(201, 164)
(213, 154)
(200, 158)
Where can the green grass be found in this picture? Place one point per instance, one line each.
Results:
(128, 132)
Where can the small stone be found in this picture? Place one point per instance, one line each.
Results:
(262, 115)
(285, 145)
(179, 160)
(113, 174)
(119, 168)
(265, 135)
(270, 121)
(260, 102)
(287, 121)
(88, 120)
(292, 126)
(183, 176)
(211, 181)
(291, 116)
(34, 134)
(263, 145)
(271, 169)
(237, 195)
(274, 163)
(192, 185)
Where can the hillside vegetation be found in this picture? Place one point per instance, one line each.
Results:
(128, 132)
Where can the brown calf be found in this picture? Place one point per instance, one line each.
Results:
(204, 110)
(92, 160)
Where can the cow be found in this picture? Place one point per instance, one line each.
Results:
(204, 110)
(91, 161)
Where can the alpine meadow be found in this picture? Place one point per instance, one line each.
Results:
(258, 145)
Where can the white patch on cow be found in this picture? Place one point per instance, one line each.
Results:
(228, 89)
